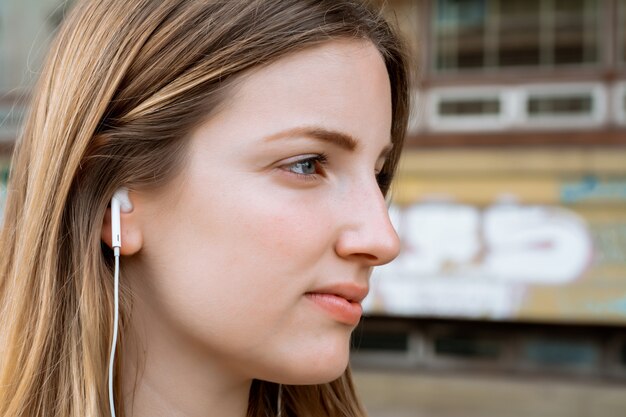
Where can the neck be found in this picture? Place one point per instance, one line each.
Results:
(165, 375)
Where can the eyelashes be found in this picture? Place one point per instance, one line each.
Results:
(314, 167)
(309, 168)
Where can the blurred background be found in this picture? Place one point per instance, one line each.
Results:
(509, 297)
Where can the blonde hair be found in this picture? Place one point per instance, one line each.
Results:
(123, 84)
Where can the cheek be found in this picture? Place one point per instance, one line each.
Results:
(279, 236)
(234, 253)
(281, 230)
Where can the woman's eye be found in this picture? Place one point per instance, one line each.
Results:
(304, 167)
(308, 167)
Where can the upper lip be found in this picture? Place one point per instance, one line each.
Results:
(350, 291)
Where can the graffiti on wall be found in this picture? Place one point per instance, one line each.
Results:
(506, 261)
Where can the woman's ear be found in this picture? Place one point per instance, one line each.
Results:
(131, 236)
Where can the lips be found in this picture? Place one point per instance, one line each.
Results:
(342, 302)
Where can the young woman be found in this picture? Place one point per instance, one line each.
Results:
(256, 140)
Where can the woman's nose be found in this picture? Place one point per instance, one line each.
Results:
(367, 234)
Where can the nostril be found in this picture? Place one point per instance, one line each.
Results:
(368, 256)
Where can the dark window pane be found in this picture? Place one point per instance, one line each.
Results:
(520, 55)
(459, 33)
(387, 341)
(561, 352)
(469, 347)
(468, 107)
(575, 32)
(573, 54)
(568, 6)
(559, 105)
(471, 59)
(519, 33)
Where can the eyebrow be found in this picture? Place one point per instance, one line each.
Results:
(340, 139)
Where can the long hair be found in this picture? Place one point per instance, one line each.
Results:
(123, 85)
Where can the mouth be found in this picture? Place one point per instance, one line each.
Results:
(341, 302)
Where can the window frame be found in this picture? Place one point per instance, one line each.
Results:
(602, 49)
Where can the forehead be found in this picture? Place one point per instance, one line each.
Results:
(341, 85)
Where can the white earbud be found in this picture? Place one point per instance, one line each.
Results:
(120, 202)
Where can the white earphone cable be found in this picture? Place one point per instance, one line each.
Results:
(115, 325)
(279, 401)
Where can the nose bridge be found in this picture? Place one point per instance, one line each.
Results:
(368, 233)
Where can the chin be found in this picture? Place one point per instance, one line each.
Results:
(316, 366)
(313, 376)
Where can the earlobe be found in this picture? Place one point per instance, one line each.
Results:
(132, 238)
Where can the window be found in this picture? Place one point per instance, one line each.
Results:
(561, 105)
(469, 108)
(572, 104)
(577, 106)
(497, 34)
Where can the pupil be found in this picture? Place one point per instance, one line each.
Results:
(307, 167)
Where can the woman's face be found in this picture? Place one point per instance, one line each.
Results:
(258, 254)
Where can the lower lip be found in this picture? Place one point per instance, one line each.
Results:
(342, 310)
